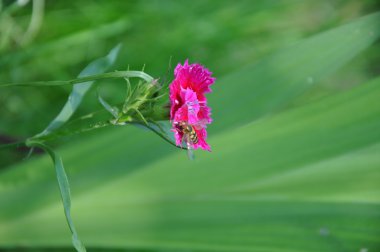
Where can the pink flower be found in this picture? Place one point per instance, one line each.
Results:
(189, 110)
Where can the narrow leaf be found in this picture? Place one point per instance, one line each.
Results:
(114, 111)
(75, 98)
(64, 188)
(268, 86)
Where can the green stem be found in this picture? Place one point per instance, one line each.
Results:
(15, 144)
(160, 135)
(111, 75)
(65, 133)
(60, 134)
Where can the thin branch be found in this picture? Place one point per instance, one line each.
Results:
(14, 144)
(111, 75)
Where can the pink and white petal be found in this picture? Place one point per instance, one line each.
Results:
(204, 114)
(175, 98)
(202, 136)
(194, 76)
(178, 136)
(181, 115)
(188, 101)
(191, 101)
(201, 78)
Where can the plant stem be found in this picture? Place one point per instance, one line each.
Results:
(111, 75)
(15, 144)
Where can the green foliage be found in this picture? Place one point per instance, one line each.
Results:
(269, 85)
(278, 179)
(75, 98)
(179, 204)
(64, 188)
(67, 111)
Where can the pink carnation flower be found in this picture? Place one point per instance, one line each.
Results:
(189, 104)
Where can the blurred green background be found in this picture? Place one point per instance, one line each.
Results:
(296, 136)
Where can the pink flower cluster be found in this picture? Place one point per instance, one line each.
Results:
(189, 104)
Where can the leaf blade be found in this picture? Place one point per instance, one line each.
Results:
(75, 98)
(64, 188)
(269, 85)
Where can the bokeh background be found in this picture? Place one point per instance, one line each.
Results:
(296, 140)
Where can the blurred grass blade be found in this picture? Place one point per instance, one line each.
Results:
(269, 85)
(75, 41)
(75, 98)
(64, 188)
(255, 194)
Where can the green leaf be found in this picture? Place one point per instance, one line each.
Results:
(75, 98)
(114, 111)
(64, 188)
(267, 87)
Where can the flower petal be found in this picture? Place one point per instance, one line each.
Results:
(188, 101)
(202, 136)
